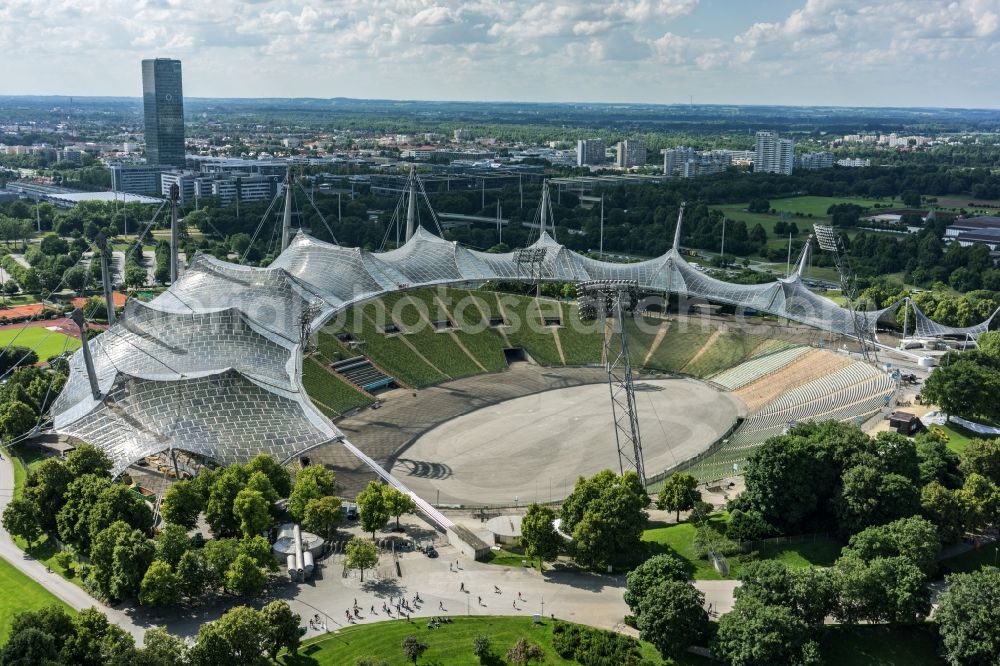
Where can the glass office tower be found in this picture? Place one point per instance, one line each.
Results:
(163, 107)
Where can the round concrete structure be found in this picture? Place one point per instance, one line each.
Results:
(534, 448)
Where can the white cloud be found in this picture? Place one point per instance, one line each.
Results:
(511, 49)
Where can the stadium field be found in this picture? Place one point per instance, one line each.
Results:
(46, 343)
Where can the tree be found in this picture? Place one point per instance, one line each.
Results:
(13, 357)
(671, 616)
(16, 419)
(885, 590)
(252, 510)
(275, 472)
(372, 507)
(134, 276)
(649, 574)
(46, 486)
(538, 533)
(397, 503)
(96, 642)
(219, 554)
(21, 518)
(245, 577)
(182, 503)
(613, 518)
(914, 538)
(192, 573)
(221, 498)
(782, 483)
(869, 497)
(53, 620)
(322, 516)
(754, 633)
(963, 387)
(282, 629)
(361, 555)
(679, 493)
(160, 586)
(119, 559)
(161, 648)
(937, 463)
(118, 502)
(482, 647)
(982, 456)
(945, 510)
(172, 543)
(259, 550)
(747, 525)
(968, 618)
(313, 482)
(413, 648)
(523, 652)
(980, 499)
(29, 647)
(239, 638)
(808, 593)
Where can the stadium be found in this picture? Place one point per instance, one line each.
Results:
(482, 397)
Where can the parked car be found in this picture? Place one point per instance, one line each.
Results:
(430, 552)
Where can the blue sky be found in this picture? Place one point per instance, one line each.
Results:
(837, 52)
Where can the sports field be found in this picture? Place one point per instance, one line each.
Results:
(47, 344)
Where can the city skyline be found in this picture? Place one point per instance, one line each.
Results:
(790, 52)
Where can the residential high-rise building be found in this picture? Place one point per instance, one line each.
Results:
(163, 109)
(821, 160)
(687, 162)
(774, 154)
(590, 151)
(631, 153)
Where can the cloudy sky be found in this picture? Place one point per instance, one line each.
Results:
(843, 52)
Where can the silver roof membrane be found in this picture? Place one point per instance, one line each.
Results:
(213, 365)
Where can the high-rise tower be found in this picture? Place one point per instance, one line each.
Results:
(163, 107)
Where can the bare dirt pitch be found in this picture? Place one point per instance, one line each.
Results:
(533, 448)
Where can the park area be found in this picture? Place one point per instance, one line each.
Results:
(21, 594)
(46, 343)
(680, 540)
(451, 644)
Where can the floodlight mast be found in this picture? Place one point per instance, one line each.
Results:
(612, 299)
(829, 241)
(532, 259)
(174, 233)
(102, 247)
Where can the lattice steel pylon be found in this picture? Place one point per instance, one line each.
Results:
(830, 241)
(611, 299)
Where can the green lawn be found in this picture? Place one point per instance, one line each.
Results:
(450, 645)
(21, 594)
(45, 342)
(679, 539)
(958, 437)
(881, 646)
